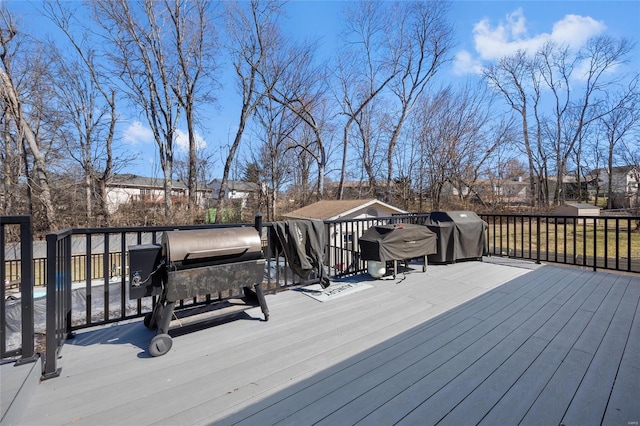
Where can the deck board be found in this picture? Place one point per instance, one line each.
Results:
(367, 397)
(591, 398)
(490, 334)
(459, 344)
(623, 402)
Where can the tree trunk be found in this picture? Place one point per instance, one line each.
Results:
(40, 175)
(40, 178)
(193, 172)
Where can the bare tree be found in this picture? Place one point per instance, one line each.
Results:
(14, 108)
(196, 47)
(205, 164)
(11, 157)
(458, 136)
(573, 108)
(143, 57)
(275, 124)
(620, 122)
(402, 46)
(299, 84)
(509, 77)
(302, 162)
(573, 82)
(254, 36)
(89, 100)
(371, 135)
(631, 155)
(362, 73)
(422, 43)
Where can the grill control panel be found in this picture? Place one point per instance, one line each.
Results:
(145, 271)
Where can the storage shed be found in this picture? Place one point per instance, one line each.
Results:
(577, 210)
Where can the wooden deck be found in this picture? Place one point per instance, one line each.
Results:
(469, 343)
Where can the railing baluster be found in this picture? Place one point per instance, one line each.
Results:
(629, 241)
(89, 274)
(105, 272)
(575, 233)
(606, 242)
(595, 246)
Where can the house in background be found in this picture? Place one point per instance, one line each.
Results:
(236, 190)
(240, 195)
(625, 180)
(133, 189)
(343, 237)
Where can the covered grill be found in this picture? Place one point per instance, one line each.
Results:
(195, 263)
(461, 235)
(390, 243)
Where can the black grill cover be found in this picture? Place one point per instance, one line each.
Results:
(461, 235)
(396, 242)
(303, 244)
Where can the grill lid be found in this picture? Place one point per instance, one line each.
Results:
(396, 242)
(207, 244)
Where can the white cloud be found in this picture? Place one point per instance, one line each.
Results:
(509, 36)
(137, 133)
(575, 30)
(465, 63)
(182, 141)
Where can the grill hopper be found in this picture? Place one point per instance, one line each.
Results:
(196, 263)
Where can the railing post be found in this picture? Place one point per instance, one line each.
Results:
(51, 351)
(26, 289)
(258, 223)
(3, 326)
(595, 245)
(538, 239)
(66, 288)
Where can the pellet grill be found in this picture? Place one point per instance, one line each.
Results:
(192, 263)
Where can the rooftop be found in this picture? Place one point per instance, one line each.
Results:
(333, 209)
(493, 342)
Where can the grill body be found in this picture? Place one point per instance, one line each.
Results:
(196, 263)
(392, 243)
(461, 236)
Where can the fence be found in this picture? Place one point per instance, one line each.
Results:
(78, 262)
(99, 280)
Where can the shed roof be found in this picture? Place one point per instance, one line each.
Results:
(334, 209)
(582, 206)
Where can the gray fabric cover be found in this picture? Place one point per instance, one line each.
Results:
(396, 242)
(461, 235)
(303, 244)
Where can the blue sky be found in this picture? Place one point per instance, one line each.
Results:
(484, 31)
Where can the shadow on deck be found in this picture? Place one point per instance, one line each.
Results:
(556, 346)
